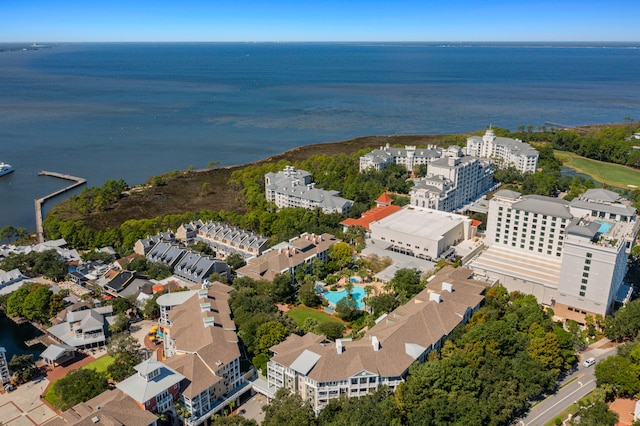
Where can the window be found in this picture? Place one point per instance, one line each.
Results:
(587, 261)
(584, 281)
(586, 268)
(589, 255)
(585, 274)
(582, 293)
(583, 287)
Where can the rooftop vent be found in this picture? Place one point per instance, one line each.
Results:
(375, 343)
(435, 297)
(447, 287)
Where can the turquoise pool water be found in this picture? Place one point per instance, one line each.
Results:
(604, 227)
(357, 293)
(354, 279)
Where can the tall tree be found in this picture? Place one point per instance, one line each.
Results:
(287, 409)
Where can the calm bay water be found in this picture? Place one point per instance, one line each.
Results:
(12, 338)
(104, 111)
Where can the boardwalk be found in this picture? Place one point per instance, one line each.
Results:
(40, 201)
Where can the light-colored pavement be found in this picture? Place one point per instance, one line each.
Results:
(252, 409)
(577, 385)
(24, 407)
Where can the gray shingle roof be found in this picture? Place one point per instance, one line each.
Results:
(544, 205)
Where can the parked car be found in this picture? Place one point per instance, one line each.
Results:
(9, 387)
(589, 362)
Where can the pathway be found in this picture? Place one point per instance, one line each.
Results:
(40, 201)
(23, 407)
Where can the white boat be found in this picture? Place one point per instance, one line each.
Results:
(5, 169)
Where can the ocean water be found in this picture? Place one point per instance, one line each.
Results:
(109, 111)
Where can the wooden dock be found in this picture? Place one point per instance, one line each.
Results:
(40, 201)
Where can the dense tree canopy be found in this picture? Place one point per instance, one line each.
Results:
(626, 322)
(125, 350)
(406, 283)
(47, 263)
(79, 386)
(23, 367)
(287, 409)
(32, 301)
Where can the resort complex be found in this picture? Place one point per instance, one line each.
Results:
(312, 308)
(571, 255)
(320, 370)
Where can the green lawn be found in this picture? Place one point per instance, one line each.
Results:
(608, 173)
(300, 313)
(100, 365)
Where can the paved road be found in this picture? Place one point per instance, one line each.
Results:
(582, 383)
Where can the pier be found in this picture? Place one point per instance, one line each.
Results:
(40, 201)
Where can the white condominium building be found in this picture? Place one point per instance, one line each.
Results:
(571, 255)
(452, 182)
(409, 157)
(293, 188)
(504, 152)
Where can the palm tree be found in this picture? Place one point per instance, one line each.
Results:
(349, 287)
(367, 291)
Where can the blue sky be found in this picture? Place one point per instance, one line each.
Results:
(315, 20)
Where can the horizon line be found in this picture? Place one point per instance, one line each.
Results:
(328, 41)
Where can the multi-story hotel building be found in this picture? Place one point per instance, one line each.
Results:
(452, 182)
(571, 255)
(504, 152)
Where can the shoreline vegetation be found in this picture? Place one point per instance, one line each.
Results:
(117, 215)
(181, 191)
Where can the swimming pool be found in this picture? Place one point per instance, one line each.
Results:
(335, 296)
(604, 227)
(354, 279)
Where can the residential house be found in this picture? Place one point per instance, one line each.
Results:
(155, 387)
(196, 267)
(110, 408)
(226, 239)
(83, 327)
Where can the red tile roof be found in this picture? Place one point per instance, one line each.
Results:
(384, 199)
(475, 222)
(373, 215)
